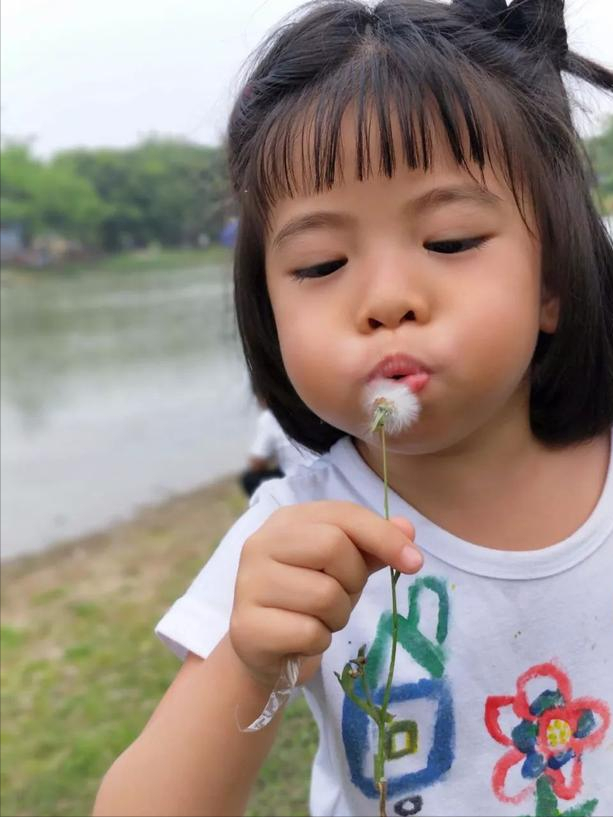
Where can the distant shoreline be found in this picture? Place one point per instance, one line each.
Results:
(145, 260)
(161, 344)
(176, 513)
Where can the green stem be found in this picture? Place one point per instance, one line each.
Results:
(390, 674)
(386, 507)
(394, 575)
(394, 578)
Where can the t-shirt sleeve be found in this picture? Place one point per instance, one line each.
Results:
(198, 620)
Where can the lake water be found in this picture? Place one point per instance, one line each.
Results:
(118, 390)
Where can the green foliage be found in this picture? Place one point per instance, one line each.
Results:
(48, 197)
(161, 191)
(165, 191)
(600, 150)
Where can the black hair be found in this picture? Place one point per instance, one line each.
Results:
(487, 76)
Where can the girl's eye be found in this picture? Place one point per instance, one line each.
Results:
(319, 270)
(453, 246)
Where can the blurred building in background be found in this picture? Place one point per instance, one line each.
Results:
(12, 244)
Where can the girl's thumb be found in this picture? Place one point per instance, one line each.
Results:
(416, 559)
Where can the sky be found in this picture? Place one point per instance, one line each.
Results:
(110, 72)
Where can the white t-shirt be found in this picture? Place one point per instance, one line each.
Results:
(504, 675)
(271, 441)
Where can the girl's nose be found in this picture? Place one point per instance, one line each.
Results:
(391, 301)
(389, 319)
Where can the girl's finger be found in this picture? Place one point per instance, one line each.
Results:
(326, 548)
(265, 635)
(404, 525)
(380, 541)
(301, 590)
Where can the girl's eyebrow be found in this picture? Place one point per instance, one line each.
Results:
(469, 193)
(431, 200)
(312, 221)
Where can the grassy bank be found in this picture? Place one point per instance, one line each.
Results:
(164, 259)
(148, 260)
(82, 671)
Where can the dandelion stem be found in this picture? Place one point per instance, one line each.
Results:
(390, 676)
(394, 575)
(384, 409)
(385, 491)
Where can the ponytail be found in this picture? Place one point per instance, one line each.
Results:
(538, 27)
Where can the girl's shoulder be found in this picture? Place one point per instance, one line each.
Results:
(333, 475)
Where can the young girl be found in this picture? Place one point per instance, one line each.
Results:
(414, 206)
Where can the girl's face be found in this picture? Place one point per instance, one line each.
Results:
(426, 276)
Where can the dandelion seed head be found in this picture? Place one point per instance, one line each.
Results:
(391, 404)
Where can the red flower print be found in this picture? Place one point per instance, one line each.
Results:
(553, 732)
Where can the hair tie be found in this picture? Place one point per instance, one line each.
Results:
(535, 24)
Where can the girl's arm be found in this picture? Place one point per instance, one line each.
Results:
(299, 576)
(191, 758)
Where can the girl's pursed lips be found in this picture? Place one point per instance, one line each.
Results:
(403, 369)
(397, 366)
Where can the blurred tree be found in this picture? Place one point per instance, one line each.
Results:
(164, 190)
(48, 197)
(600, 150)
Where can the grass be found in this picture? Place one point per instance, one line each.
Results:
(163, 259)
(82, 671)
(149, 260)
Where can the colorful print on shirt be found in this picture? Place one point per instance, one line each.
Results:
(552, 732)
(421, 707)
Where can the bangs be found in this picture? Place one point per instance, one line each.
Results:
(352, 88)
(403, 102)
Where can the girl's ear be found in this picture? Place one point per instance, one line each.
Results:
(550, 313)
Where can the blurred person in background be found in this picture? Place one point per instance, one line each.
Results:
(272, 453)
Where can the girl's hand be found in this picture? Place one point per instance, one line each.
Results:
(300, 576)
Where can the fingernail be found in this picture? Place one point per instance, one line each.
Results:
(411, 559)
